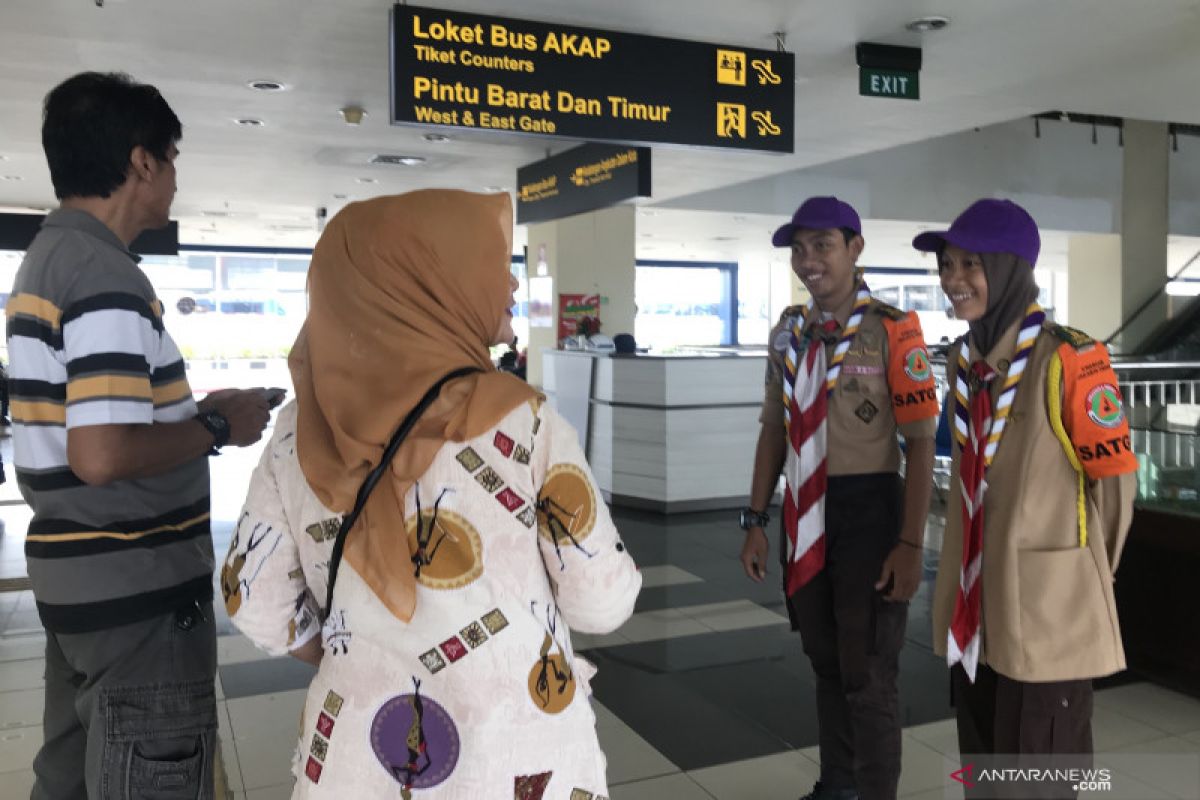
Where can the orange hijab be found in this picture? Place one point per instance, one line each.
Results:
(402, 290)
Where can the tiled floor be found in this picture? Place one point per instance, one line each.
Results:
(703, 694)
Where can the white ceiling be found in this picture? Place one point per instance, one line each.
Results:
(998, 60)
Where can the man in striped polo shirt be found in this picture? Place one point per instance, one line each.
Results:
(110, 452)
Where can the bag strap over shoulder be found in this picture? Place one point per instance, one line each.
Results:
(368, 485)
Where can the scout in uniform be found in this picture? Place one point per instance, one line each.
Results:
(1041, 499)
(845, 373)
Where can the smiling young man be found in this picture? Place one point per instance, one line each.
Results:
(110, 453)
(845, 374)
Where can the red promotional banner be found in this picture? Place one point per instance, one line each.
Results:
(574, 309)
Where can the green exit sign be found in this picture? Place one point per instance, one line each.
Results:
(901, 84)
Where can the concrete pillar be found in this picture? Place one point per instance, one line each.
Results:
(1109, 276)
(1144, 218)
(1093, 283)
(591, 253)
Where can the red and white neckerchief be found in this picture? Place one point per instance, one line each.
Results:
(978, 432)
(808, 385)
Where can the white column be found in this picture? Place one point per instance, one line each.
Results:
(586, 254)
(1144, 219)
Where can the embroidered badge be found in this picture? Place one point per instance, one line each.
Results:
(415, 741)
(527, 516)
(504, 443)
(489, 480)
(319, 748)
(433, 661)
(469, 459)
(324, 725)
(521, 455)
(530, 787)
(313, 770)
(296, 574)
(324, 530)
(510, 499)
(537, 425)
(1104, 406)
(333, 703)
(866, 411)
(453, 648)
(582, 794)
(916, 365)
(473, 635)
(494, 621)
(862, 369)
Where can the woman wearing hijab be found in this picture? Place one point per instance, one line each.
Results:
(1041, 499)
(445, 661)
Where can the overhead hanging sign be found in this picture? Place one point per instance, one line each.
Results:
(478, 72)
(888, 71)
(583, 178)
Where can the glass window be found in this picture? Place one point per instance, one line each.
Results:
(684, 306)
(922, 298)
(754, 318)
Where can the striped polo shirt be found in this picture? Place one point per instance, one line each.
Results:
(86, 347)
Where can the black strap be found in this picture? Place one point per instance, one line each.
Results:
(373, 477)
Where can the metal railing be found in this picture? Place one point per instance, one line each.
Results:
(1162, 402)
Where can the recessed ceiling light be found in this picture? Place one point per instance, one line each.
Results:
(724, 238)
(3, 157)
(397, 160)
(339, 197)
(436, 138)
(13, 178)
(250, 122)
(494, 189)
(264, 85)
(367, 180)
(934, 22)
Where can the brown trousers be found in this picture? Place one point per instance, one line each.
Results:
(1015, 720)
(853, 637)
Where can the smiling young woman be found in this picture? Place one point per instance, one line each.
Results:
(1041, 500)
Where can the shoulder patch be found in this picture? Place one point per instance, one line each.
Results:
(891, 312)
(1075, 338)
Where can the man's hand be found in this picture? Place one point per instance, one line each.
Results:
(902, 568)
(246, 410)
(213, 397)
(754, 554)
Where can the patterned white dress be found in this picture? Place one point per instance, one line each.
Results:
(480, 695)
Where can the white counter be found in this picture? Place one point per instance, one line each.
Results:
(667, 433)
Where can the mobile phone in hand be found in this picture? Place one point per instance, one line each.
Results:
(274, 396)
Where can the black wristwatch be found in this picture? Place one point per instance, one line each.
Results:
(749, 518)
(216, 424)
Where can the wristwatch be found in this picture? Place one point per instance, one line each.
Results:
(749, 518)
(216, 424)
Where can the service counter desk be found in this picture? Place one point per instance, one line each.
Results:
(666, 433)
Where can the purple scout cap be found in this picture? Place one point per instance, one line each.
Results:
(988, 226)
(818, 213)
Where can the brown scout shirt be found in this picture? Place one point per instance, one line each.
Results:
(1048, 612)
(885, 385)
